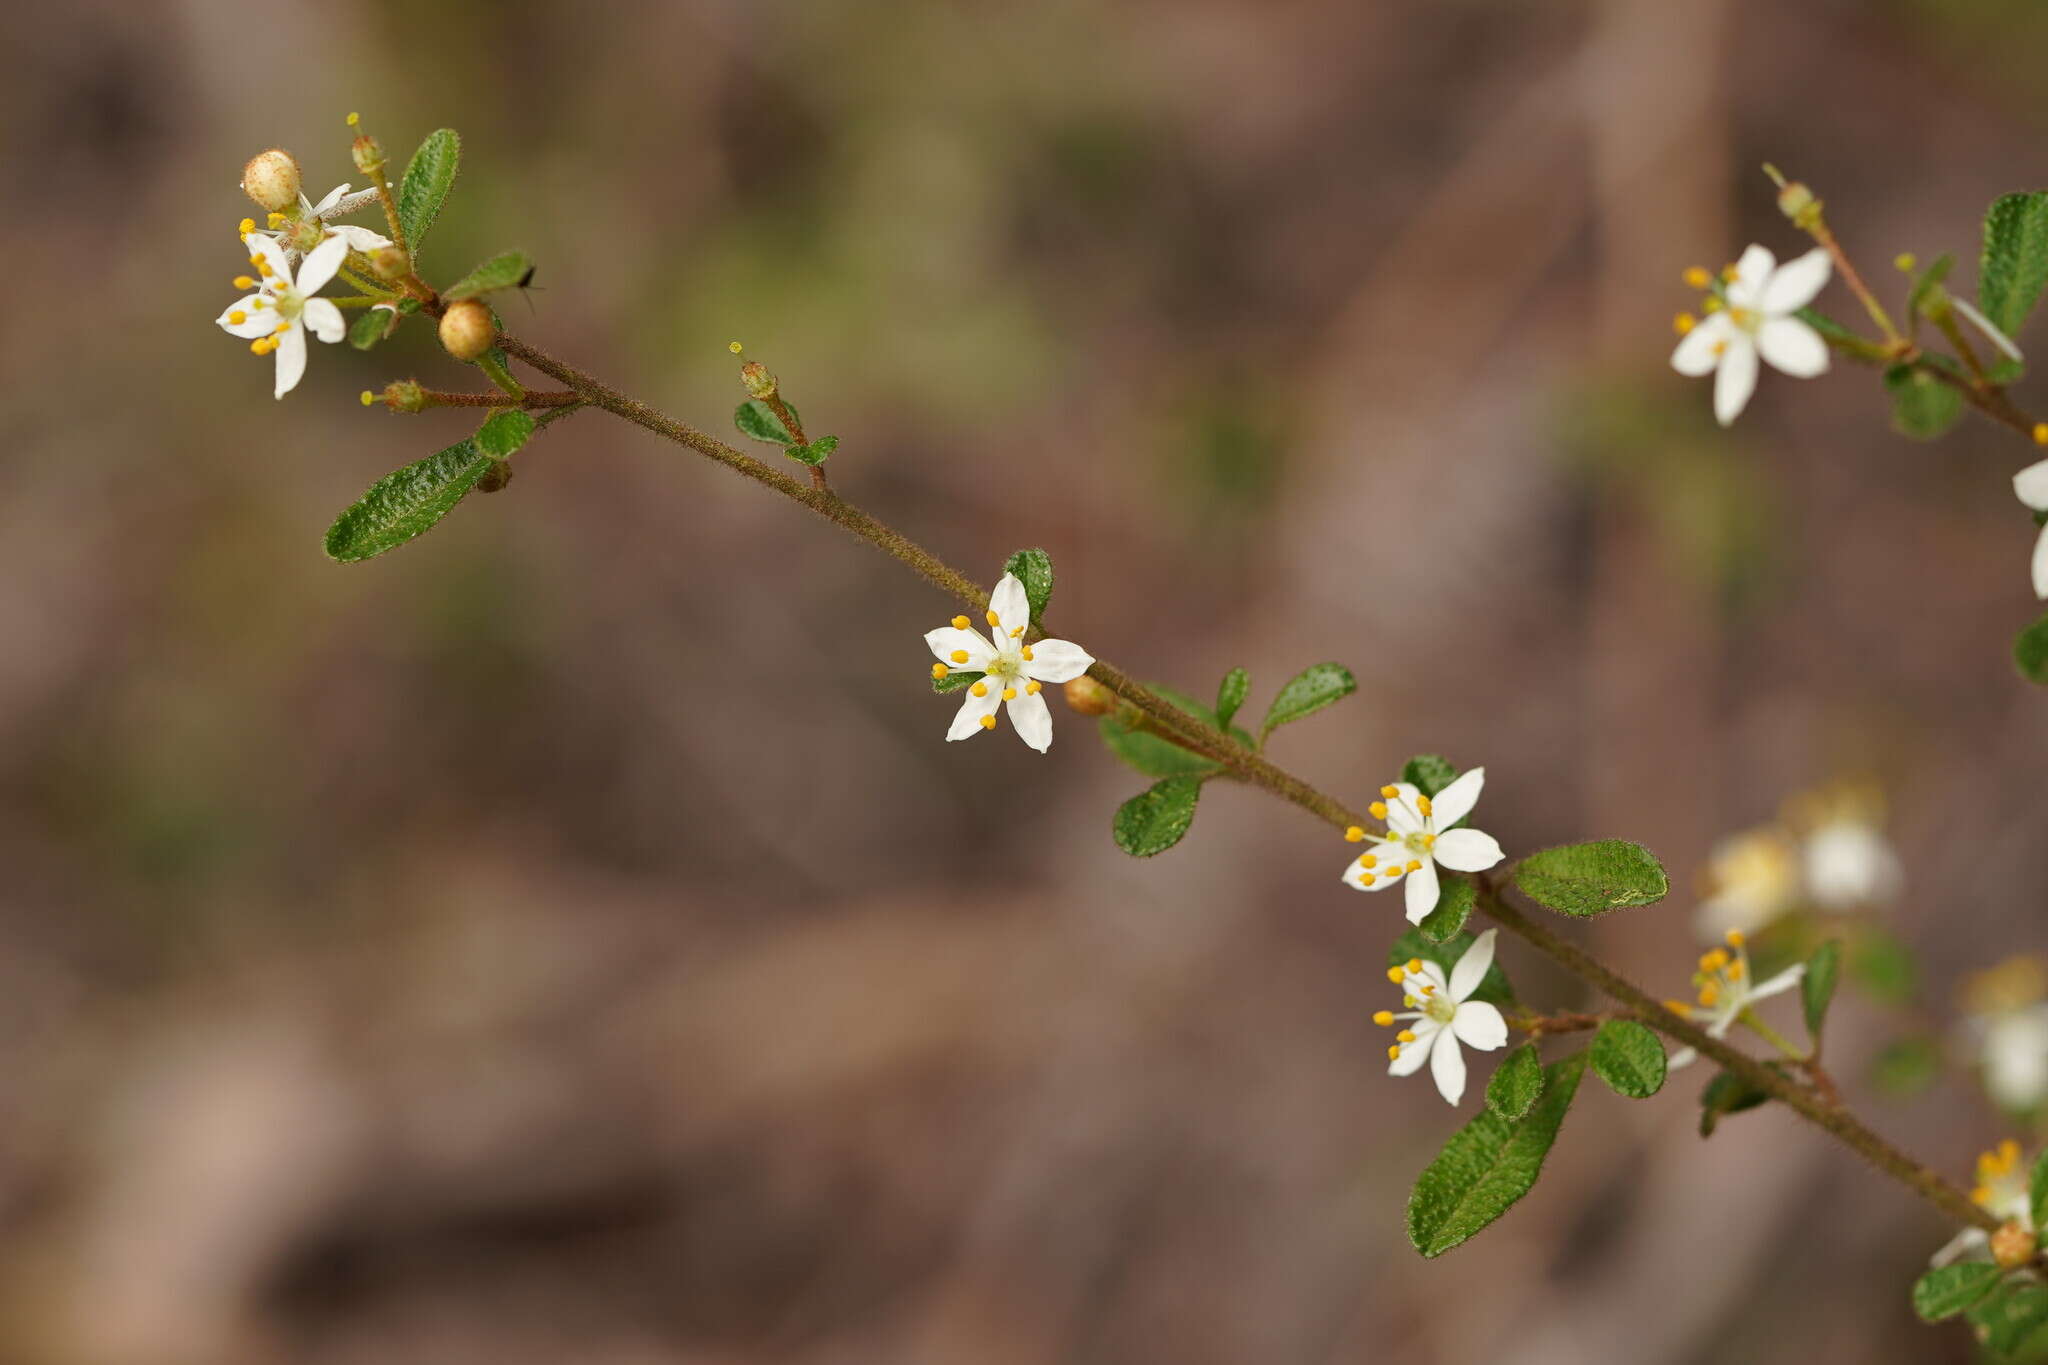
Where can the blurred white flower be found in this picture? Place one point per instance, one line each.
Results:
(1751, 879)
(1756, 317)
(1418, 840)
(1440, 1014)
(1847, 861)
(2031, 485)
(276, 316)
(1011, 670)
(2007, 1022)
(2002, 1192)
(1726, 989)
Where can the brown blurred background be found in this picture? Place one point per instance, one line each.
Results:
(568, 938)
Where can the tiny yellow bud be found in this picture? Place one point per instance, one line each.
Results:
(1698, 277)
(939, 671)
(1684, 323)
(735, 348)
(1033, 688)
(1406, 1035)
(959, 656)
(980, 689)
(960, 623)
(1395, 974)
(988, 722)
(368, 154)
(271, 178)
(467, 330)
(1378, 810)
(759, 382)
(1384, 1018)
(1354, 835)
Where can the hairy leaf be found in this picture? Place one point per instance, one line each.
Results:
(1817, 987)
(1155, 756)
(1923, 408)
(1488, 1165)
(2015, 261)
(503, 433)
(428, 178)
(373, 326)
(1727, 1094)
(1034, 570)
(1308, 692)
(1155, 819)
(756, 419)
(1948, 1290)
(1592, 878)
(1516, 1083)
(502, 271)
(1230, 694)
(1429, 773)
(406, 503)
(1629, 1058)
(2030, 652)
(1454, 902)
(2010, 1317)
(815, 452)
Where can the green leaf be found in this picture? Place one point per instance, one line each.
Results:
(1629, 1058)
(1155, 819)
(1154, 756)
(1230, 694)
(2030, 652)
(1308, 692)
(1516, 1083)
(756, 419)
(503, 433)
(2037, 1190)
(428, 178)
(955, 680)
(1456, 895)
(1817, 987)
(1883, 966)
(1923, 408)
(1034, 570)
(1945, 1292)
(1829, 329)
(1488, 1165)
(1493, 988)
(373, 326)
(1927, 280)
(1428, 773)
(2008, 1318)
(1726, 1094)
(406, 503)
(815, 452)
(500, 272)
(2015, 261)
(1592, 878)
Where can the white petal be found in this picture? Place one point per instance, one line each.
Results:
(1685, 1056)
(2031, 485)
(1471, 968)
(1480, 1025)
(1467, 850)
(1752, 273)
(1414, 1054)
(291, 359)
(1010, 604)
(1735, 381)
(1779, 984)
(360, 238)
(1987, 327)
(1433, 977)
(2041, 563)
(1403, 815)
(327, 201)
(1794, 284)
(256, 322)
(265, 251)
(1033, 721)
(967, 720)
(1354, 877)
(1968, 1242)
(1057, 661)
(325, 320)
(1699, 350)
(1456, 801)
(1792, 347)
(947, 641)
(1447, 1064)
(321, 263)
(1422, 892)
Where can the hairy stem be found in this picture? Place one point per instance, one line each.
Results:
(1257, 770)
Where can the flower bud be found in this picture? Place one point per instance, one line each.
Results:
(2012, 1246)
(467, 330)
(1797, 203)
(405, 395)
(759, 382)
(368, 154)
(272, 179)
(1090, 697)
(389, 263)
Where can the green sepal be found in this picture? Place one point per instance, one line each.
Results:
(1155, 819)
(428, 178)
(502, 271)
(1488, 1165)
(1629, 1058)
(406, 503)
(1592, 878)
(1033, 569)
(371, 327)
(1516, 1083)
(1923, 408)
(2030, 652)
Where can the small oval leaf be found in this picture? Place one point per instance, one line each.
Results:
(1629, 1058)
(405, 503)
(1034, 570)
(756, 419)
(1230, 695)
(502, 271)
(1456, 895)
(1488, 1165)
(1592, 878)
(1155, 819)
(428, 178)
(1308, 692)
(503, 433)
(1817, 987)
(1516, 1083)
(1947, 1291)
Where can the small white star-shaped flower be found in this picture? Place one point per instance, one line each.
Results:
(335, 202)
(276, 316)
(1440, 1014)
(1757, 318)
(1012, 671)
(2002, 1191)
(1726, 990)
(1418, 840)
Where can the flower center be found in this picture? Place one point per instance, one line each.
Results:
(1420, 842)
(1748, 319)
(1006, 666)
(1440, 1007)
(290, 303)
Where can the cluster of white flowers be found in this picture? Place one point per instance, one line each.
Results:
(1725, 990)
(1829, 852)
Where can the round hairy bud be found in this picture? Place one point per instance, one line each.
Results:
(1090, 697)
(272, 179)
(405, 395)
(368, 154)
(467, 330)
(389, 263)
(759, 382)
(2012, 1246)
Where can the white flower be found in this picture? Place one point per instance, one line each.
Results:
(1440, 1014)
(1726, 990)
(1760, 299)
(1752, 879)
(277, 315)
(2031, 484)
(1418, 840)
(1850, 863)
(332, 203)
(2002, 1192)
(2008, 1020)
(1011, 670)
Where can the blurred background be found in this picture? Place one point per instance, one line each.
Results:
(567, 939)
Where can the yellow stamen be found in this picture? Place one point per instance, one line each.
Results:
(276, 220)
(2041, 433)
(1429, 841)
(1414, 964)
(1729, 274)
(238, 317)
(261, 346)
(988, 722)
(1684, 323)
(939, 671)
(1696, 277)
(1734, 970)
(1422, 804)
(1679, 1008)
(1720, 348)
(980, 689)
(735, 348)
(1378, 810)
(245, 227)
(1981, 1195)
(1710, 304)
(1736, 938)
(1906, 261)
(1385, 1018)
(244, 282)
(1033, 688)
(258, 305)
(1429, 990)
(1714, 961)
(1413, 866)
(1394, 1052)
(1409, 1002)
(1710, 994)
(371, 398)
(994, 619)
(1369, 860)
(1354, 835)
(1027, 654)
(1390, 792)
(1395, 974)
(959, 656)
(960, 623)
(1366, 879)
(1406, 1035)
(1009, 694)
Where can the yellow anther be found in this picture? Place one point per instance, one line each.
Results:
(1378, 810)
(1394, 1052)
(960, 623)
(1710, 994)
(1729, 274)
(1369, 860)
(245, 282)
(1679, 1008)
(1409, 1002)
(370, 398)
(735, 348)
(1429, 841)
(260, 346)
(238, 317)
(1684, 323)
(281, 329)
(988, 722)
(994, 619)
(1710, 304)
(275, 219)
(1735, 938)
(939, 671)
(1413, 866)
(1697, 277)
(1428, 990)
(1422, 804)
(1981, 1195)
(1734, 970)
(2041, 433)
(1015, 633)
(1390, 792)
(1406, 1035)
(1354, 835)
(1906, 260)
(1414, 964)
(1395, 974)
(1033, 688)
(1366, 879)
(245, 227)
(980, 689)
(959, 656)
(1027, 654)
(1714, 961)
(258, 305)
(354, 119)
(1384, 1018)
(1009, 694)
